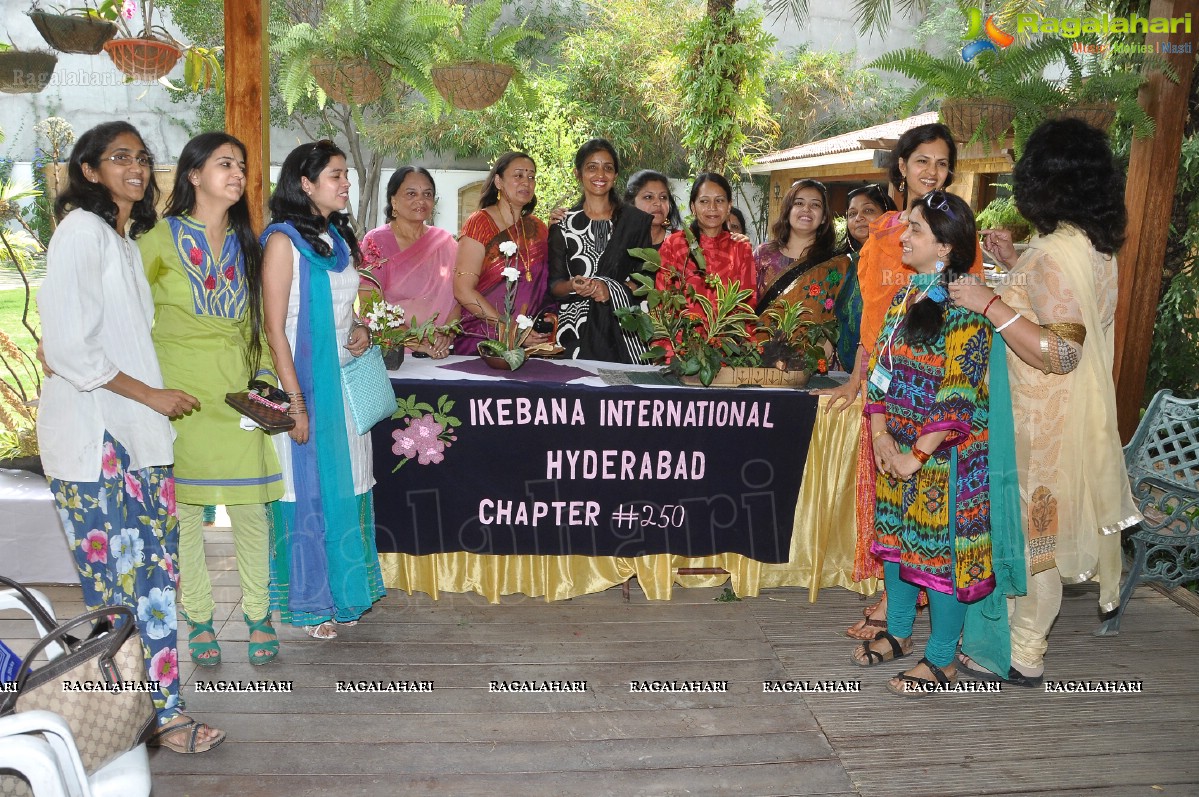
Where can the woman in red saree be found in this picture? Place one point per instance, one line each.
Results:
(410, 263)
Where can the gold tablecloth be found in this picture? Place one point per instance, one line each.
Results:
(822, 546)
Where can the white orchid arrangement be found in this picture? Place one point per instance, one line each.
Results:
(390, 329)
(510, 331)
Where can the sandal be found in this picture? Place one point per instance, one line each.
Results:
(197, 649)
(924, 687)
(873, 657)
(325, 630)
(162, 736)
(262, 652)
(868, 626)
(971, 668)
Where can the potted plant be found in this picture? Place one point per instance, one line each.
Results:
(351, 56)
(475, 66)
(25, 71)
(153, 53)
(1001, 214)
(392, 333)
(73, 30)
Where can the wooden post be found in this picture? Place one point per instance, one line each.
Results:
(247, 107)
(1152, 172)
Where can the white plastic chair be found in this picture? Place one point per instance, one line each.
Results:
(11, 599)
(126, 776)
(34, 759)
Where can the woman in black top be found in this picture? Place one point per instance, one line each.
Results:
(590, 263)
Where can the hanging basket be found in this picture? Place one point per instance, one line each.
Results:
(25, 72)
(963, 118)
(1097, 114)
(472, 85)
(143, 59)
(352, 82)
(70, 34)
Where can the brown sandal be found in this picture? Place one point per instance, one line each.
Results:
(162, 736)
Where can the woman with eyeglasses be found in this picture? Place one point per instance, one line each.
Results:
(590, 264)
(505, 214)
(1056, 311)
(649, 192)
(104, 421)
(204, 265)
(324, 564)
(797, 265)
(927, 400)
(728, 259)
(866, 203)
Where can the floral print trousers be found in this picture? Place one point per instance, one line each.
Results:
(124, 536)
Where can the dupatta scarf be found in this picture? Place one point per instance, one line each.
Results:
(420, 278)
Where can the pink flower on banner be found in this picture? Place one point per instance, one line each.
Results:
(109, 464)
(133, 487)
(164, 667)
(96, 545)
(167, 492)
(230, 273)
(405, 445)
(196, 256)
(210, 282)
(429, 446)
(828, 304)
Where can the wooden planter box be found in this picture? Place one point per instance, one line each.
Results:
(763, 377)
(71, 34)
(25, 72)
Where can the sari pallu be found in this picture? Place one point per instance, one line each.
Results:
(530, 236)
(814, 283)
(420, 278)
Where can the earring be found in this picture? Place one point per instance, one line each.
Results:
(903, 186)
(939, 265)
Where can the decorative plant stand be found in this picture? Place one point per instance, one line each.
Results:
(26, 72)
(351, 82)
(963, 117)
(143, 59)
(472, 85)
(72, 34)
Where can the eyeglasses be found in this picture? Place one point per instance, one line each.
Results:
(939, 200)
(125, 159)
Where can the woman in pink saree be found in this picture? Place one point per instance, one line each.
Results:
(410, 263)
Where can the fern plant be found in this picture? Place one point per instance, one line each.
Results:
(476, 42)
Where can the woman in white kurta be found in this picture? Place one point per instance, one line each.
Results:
(324, 564)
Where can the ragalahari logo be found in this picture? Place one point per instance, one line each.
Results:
(985, 35)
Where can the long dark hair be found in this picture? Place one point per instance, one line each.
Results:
(588, 149)
(921, 134)
(951, 222)
(1068, 176)
(491, 195)
(397, 179)
(826, 237)
(873, 192)
(700, 180)
(94, 197)
(183, 201)
(639, 180)
(290, 203)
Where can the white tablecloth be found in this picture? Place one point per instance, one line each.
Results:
(31, 536)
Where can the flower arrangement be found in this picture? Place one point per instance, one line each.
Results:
(510, 330)
(695, 336)
(391, 332)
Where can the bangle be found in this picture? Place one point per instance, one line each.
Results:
(877, 435)
(921, 455)
(1007, 323)
(994, 299)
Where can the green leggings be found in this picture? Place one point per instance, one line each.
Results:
(250, 547)
(946, 615)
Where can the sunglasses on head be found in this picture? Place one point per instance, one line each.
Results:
(939, 200)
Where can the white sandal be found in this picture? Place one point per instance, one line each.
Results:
(325, 630)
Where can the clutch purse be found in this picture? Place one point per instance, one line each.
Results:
(108, 706)
(265, 406)
(368, 389)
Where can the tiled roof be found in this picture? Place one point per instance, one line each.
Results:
(847, 142)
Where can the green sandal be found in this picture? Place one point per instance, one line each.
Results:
(197, 649)
(262, 652)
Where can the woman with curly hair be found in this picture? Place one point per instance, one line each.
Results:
(1056, 310)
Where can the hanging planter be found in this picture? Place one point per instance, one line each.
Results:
(71, 34)
(965, 117)
(26, 71)
(472, 85)
(143, 59)
(351, 82)
(1097, 114)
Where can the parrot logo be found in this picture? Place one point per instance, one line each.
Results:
(985, 34)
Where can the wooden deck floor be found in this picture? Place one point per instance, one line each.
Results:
(462, 739)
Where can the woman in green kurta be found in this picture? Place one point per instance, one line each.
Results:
(204, 266)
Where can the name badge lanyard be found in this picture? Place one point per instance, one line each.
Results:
(881, 376)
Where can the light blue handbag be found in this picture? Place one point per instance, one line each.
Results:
(368, 389)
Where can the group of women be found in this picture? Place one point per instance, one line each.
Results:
(970, 396)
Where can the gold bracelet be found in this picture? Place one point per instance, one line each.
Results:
(1045, 351)
(877, 435)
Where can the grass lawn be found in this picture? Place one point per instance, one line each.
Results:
(11, 303)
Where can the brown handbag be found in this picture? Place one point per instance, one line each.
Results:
(263, 405)
(98, 685)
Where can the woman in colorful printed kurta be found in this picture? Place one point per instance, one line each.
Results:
(204, 265)
(324, 563)
(728, 260)
(927, 405)
(103, 425)
(866, 204)
(505, 214)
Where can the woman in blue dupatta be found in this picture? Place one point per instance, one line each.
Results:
(324, 564)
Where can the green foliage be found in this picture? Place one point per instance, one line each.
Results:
(1001, 213)
(722, 87)
(476, 41)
